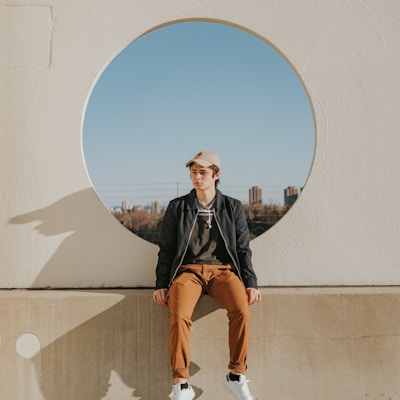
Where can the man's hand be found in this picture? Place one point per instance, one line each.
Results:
(160, 297)
(253, 295)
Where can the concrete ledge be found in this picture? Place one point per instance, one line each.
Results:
(307, 343)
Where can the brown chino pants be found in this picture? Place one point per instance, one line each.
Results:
(225, 286)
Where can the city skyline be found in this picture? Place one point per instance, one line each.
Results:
(289, 196)
(189, 87)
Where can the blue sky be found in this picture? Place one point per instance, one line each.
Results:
(189, 87)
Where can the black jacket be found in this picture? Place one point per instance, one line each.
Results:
(177, 226)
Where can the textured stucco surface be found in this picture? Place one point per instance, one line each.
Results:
(343, 230)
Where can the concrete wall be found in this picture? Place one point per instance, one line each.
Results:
(320, 343)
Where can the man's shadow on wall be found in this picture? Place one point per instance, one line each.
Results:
(129, 339)
(90, 252)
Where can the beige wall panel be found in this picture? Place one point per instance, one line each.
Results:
(25, 36)
(342, 231)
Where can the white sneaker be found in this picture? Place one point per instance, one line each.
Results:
(181, 394)
(239, 388)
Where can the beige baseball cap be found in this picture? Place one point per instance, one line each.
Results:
(205, 159)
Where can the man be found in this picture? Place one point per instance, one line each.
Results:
(204, 248)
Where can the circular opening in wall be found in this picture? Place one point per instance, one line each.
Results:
(194, 86)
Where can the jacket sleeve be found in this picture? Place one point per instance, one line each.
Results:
(243, 248)
(168, 247)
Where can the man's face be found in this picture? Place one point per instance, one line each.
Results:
(203, 178)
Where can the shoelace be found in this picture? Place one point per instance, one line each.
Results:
(245, 391)
(176, 394)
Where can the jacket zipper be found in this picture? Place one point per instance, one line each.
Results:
(187, 244)
(226, 246)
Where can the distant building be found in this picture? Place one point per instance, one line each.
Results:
(125, 205)
(255, 195)
(290, 195)
(155, 207)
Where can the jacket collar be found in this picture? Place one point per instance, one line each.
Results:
(191, 200)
